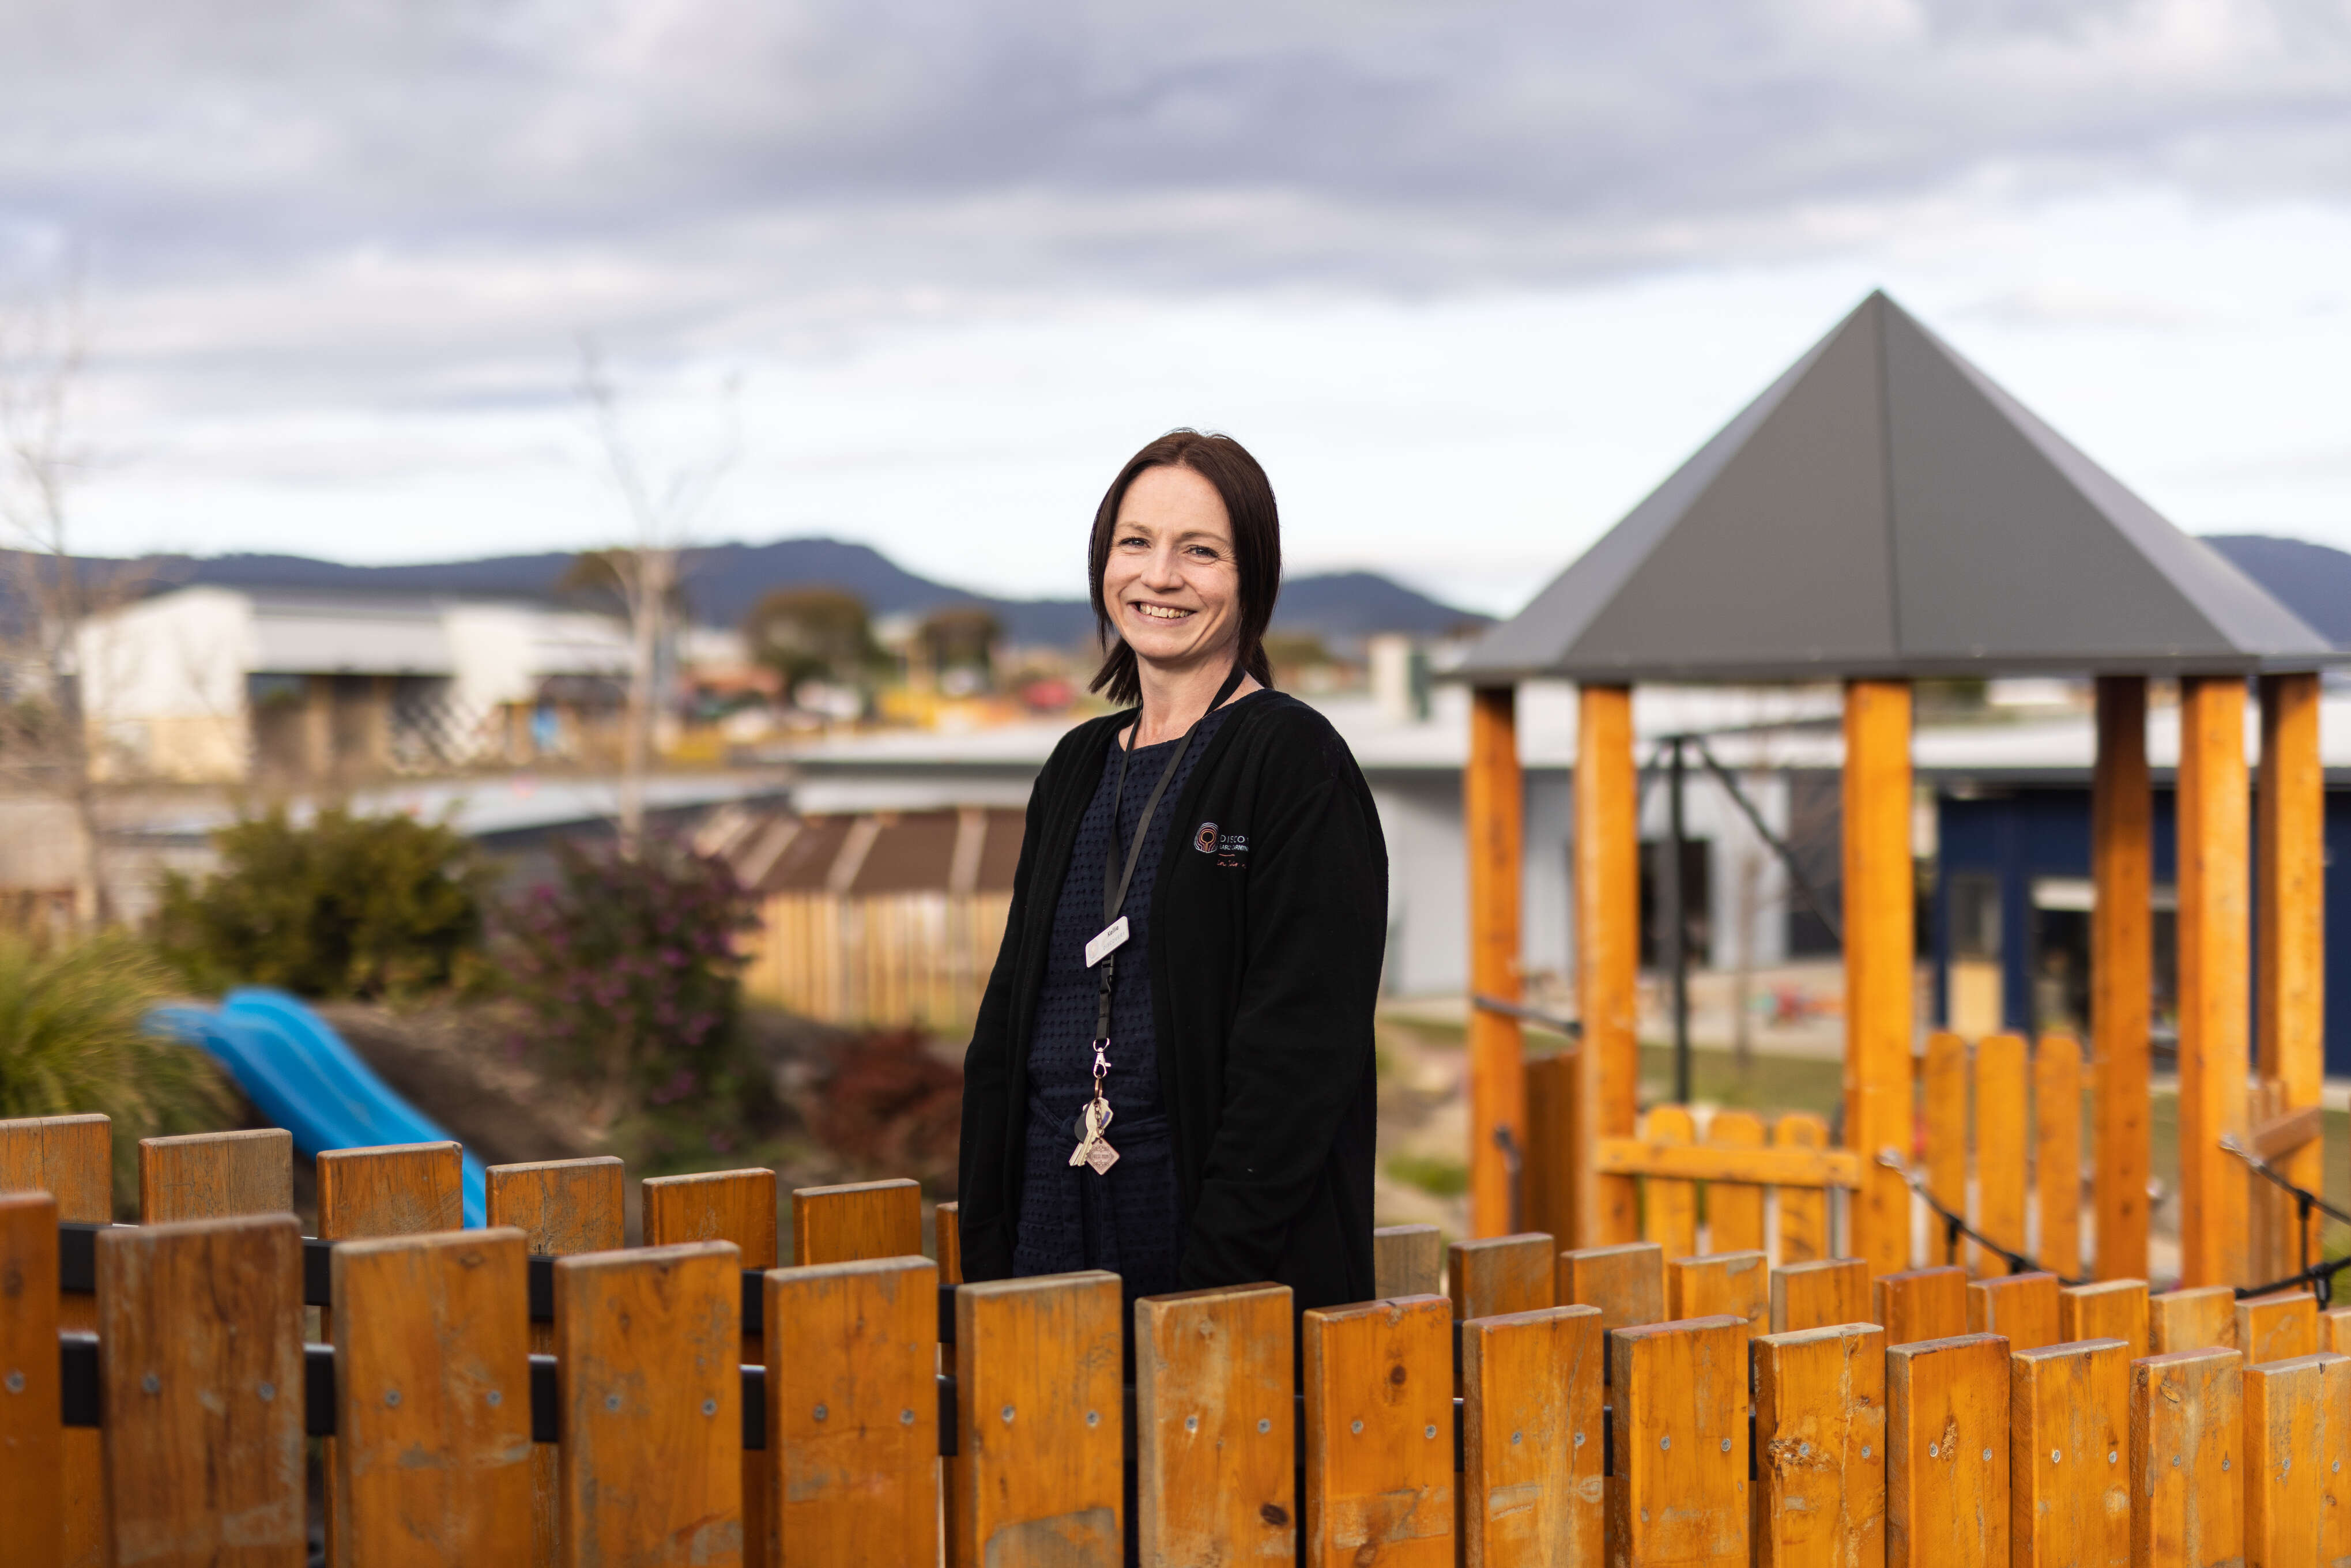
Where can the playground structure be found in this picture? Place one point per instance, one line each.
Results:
(1884, 513)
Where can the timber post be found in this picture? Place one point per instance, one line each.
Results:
(2122, 966)
(2290, 885)
(2214, 934)
(1494, 801)
(1607, 956)
(1879, 960)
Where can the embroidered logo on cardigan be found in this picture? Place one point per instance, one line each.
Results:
(1205, 840)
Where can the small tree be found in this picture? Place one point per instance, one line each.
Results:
(814, 634)
(345, 906)
(959, 643)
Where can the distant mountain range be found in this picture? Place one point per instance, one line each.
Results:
(722, 581)
(2311, 581)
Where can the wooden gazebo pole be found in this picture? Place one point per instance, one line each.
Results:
(1608, 955)
(2214, 933)
(1493, 801)
(2122, 965)
(2291, 887)
(1879, 958)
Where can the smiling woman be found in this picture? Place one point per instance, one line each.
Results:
(1171, 1075)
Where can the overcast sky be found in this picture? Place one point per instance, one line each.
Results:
(1470, 279)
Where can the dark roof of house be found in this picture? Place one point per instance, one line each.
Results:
(1883, 510)
(974, 849)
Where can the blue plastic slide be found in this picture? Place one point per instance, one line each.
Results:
(298, 1072)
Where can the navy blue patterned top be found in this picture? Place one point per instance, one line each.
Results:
(1127, 1220)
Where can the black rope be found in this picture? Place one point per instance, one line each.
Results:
(1956, 1226)
(2319, 1276)
(1805, 889)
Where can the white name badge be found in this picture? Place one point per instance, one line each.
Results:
(1111, 939)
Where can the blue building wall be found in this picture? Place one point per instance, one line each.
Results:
(2019, 835)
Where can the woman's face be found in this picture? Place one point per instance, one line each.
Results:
(1172, 586)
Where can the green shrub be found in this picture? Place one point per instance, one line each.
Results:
(1433, 1174)
(345, 906)
(70, 1042)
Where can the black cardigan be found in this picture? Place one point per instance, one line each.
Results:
(1267, 926)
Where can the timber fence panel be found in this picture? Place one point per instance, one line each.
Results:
(1379, 1434)
(2001, 1128)
(737, 1207)
(2335, 1449)
(33, 1500)
(859, 1220)
(1946, 1077)
(561, 1206)
(2285, 1449)
(1670, 1204)
(1803, 1211)
(853, 1417)
(1407, 1260)
(1215, 1427)
(2019, 1307)
(1920, 1304)
(2057, 1153)
(72, 1159)
(1532, 1442)
(1734, 1209)
(2109, 1309)
(1820, 1294)
(1681, 1495)
(1038, 1422)
(1946, 1492)
(202, 1392)
(2069, 1444)
(2278, 1327)
(650, 1389)
(215, 1176)
(1737, 1283)
(2187, 1433)
(1627, 1283)
(1502, 1274)
(1820, 1447)
(2193, 1319)
(432, 1437)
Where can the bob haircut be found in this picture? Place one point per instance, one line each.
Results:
(1248, 495)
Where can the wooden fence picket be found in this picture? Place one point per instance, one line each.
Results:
(1820, 1447)
(72, 1159)
(2001, 1130)
(946, 1227)
(561, 1206)
(1803, 1211)
(2193, 1319)
(1820, 1294)
(651, 1395)
(1502, 1274)
(2107, 1309)
(1680, 1493)
(1670, 1204)
(2019, 1307)
(1946, 1492)
(1734, 1209)
(216, 1176)
(1038, 1422)
(1407, 1260)
(2335, 1330)
(854, 1414)
(1627, 1283)
(201, 1388)
(857, 1220)
(737, 1207)
(1379, 1434)
(2278, 1328)
(1738, 1283)
(431, 1401)
(2334, 1454)
(2187, 1419)
(1945, 1081)
(2069, 1438)
(2285, 1450)
(32, 1450)
(1920, 1304)
(1554, 1152)
(1532, 1439)
(1214, 1432)
(2057, 1152)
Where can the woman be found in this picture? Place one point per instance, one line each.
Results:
(1171, 1074)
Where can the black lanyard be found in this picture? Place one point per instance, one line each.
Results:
(1114, 896)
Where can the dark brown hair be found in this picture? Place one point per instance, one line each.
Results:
(1248, 495)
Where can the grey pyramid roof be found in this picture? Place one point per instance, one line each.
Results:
(1885, 509)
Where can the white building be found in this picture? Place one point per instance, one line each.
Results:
(215, 683)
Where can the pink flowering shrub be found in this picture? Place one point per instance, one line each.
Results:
(629, 972)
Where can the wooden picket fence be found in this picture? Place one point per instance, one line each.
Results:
(533, 1392)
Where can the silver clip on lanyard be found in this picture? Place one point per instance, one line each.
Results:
(1103, 951)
